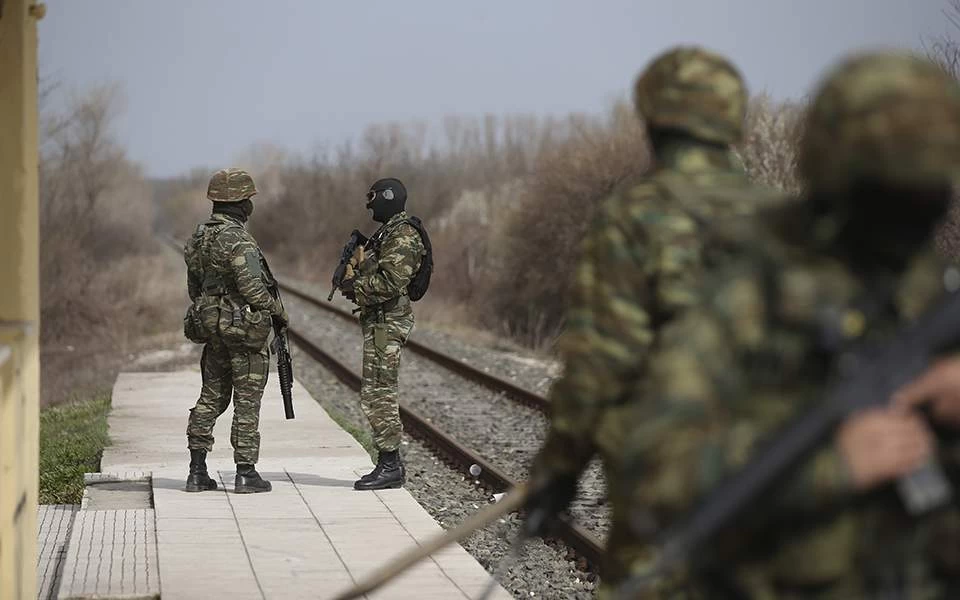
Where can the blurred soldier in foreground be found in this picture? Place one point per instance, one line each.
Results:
(850, 264)
(231, 314)
(641, 261)
(387, 266)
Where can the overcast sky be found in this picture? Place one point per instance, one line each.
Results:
(206, 78)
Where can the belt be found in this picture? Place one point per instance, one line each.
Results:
(386, 306)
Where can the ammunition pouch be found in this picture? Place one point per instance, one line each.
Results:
(192, 326)
(201, 319)
(243, 327)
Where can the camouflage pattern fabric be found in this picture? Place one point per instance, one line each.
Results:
(384, 336)
(641, 264)
(857, 130)
(732, 370)
(226, 373)
(384, 275)
(386, 320)
(759, 345)
(232, 261)
(230, 185)
(224, 277)
(693, 90)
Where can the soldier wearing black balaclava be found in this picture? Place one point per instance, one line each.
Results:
(392, 257)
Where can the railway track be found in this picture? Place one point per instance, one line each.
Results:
(497, 384)
(573, 535)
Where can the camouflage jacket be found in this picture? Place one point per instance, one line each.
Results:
(223, 259)
(395, 254)
(757, 351)
(640, 262)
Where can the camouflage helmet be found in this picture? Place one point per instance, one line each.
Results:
(230, 185)
(887, 117)
(695, 91)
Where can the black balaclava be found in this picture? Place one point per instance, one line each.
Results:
(885, 226)
(379, 201)
(238, 210)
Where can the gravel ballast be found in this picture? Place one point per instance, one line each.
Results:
(502, 431)
(505, 433)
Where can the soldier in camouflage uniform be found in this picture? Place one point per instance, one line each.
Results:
(392, 257)
(852, 261)
(233, 310)
(640, 263)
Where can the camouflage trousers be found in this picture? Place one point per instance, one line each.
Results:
(242, 375)
(384, 336)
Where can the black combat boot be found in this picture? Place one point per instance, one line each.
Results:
(376, 469)
(199, 480)
(248, 481)
(389, 473)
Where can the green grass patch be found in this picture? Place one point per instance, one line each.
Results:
(72, 438)
(362, 435)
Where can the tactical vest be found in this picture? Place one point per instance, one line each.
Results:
(212, 283)
(420, 281)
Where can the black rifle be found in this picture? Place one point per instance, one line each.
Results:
(872, 374)
(280, 346)
(356, 239)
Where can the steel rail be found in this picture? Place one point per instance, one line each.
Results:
(459, 367)
(573, 535)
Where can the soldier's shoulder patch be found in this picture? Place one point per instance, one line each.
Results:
(252, 258)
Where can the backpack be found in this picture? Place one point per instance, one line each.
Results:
(421, 280)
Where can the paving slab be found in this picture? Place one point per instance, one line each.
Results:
(312, 536)
(54, 522)
(111, 554)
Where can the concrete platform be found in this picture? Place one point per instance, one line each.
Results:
(310, 537)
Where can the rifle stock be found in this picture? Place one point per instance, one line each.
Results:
(875, 373)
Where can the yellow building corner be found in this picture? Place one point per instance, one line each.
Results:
(19, 298)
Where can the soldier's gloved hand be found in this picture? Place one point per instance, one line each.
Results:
(283, 317)
(346, 288)
(548, 496)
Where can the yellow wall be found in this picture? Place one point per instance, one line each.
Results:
(19, 299)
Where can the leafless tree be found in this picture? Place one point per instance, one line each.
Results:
(945, 48)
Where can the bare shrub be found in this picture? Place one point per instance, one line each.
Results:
(308, 206)
(103, 281)
(180, 203)
(538, 244)
(945, 48)
(769, 147)
(945, 51)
